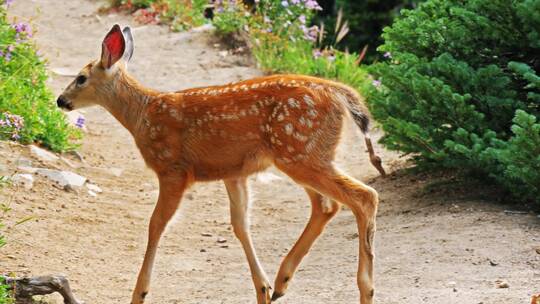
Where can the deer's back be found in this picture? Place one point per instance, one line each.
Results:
(224, 131)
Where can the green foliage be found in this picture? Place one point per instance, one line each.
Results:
(5, 293)
(366, 21)
(461, 89)
(179, 15)
(182, 17)
(303, 58)
(283, 42)
(518, 159)
(230, 19)
(23, 91)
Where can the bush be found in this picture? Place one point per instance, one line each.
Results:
(28, 112)
(5, 294)
(366, 20)
(460, 89)
(179, 15)
(283, 41)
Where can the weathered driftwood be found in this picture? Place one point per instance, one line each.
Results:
(26, 288)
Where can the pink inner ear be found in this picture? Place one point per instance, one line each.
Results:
(115, 45)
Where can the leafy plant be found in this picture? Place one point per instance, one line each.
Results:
(366, 21)
(25, 99)
(179, 15)
(460, 89)
(283, 41)
(5, 293)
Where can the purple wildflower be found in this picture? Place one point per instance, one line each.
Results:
(8, 2)
(295, 2)
(80, 122)
(310, 33)
(10, 48)
(387, 55)
(302, 19)
(376, 83)
(313, 5)
(317, 54)
(15, 136)
(285, 3)
(7, 57)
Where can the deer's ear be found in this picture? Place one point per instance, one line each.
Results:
(112, 48)
(128, 52)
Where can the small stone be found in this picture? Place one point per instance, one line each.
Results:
(42, 154)
(25, 180)
(92, 193)
(492, 262)
(221, 240)
(116, 171)
(94, 188)
(206, 234)
(537, 250)
(203, 250)
(501, 284)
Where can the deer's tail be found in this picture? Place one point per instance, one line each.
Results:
(354, 103)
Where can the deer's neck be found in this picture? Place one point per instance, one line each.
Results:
(127, 100)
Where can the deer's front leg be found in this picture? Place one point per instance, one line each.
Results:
(170, 192)
(239, 199)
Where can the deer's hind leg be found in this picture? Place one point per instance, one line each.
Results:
(237, 190)
(362, 200)
(322, 211)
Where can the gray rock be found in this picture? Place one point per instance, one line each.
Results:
(25, 180)
(63, 178)
(42, 154)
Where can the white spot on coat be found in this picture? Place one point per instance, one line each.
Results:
(288, 129)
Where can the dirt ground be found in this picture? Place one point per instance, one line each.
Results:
(434, 244)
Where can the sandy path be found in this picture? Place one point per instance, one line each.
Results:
(431, 248)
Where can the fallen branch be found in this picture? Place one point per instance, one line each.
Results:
(26, 288)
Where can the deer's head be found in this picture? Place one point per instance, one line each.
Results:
(96, 78)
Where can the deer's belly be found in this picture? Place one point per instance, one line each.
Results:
(226, 166)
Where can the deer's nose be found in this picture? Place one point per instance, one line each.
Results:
(61, 102)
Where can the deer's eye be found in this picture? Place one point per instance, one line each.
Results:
(81, 79)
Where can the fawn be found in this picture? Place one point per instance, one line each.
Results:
(229, 132)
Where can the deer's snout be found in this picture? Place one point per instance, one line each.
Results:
(63, 103)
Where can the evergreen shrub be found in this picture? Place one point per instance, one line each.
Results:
(460, 89)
